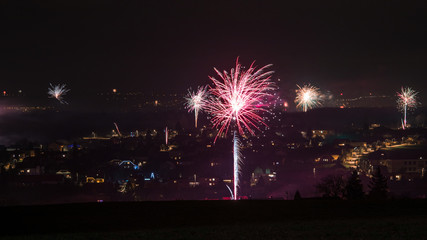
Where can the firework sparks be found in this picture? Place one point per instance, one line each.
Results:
(239, 97)
(308, 97)
(196, 101)
(407, 100)
(58, 91)
(237, 101)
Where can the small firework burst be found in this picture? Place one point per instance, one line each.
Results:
(308, 97)
(196, 101)
(58, 91)
(407, 98)
(406, 101)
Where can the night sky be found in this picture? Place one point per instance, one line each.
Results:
(168, 46)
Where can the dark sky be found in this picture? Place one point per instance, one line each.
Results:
(94, 46)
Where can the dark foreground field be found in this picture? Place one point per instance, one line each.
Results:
(306, 219)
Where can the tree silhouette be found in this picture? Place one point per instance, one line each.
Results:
(354, 187)
(378, 186)
(331, 186)
(297, 196)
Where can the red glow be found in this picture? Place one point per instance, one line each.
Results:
(285, 104)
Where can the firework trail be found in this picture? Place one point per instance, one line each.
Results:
(237, 162)
(166, 136)
(196, 101)
(406, 100)
(308, 97)
(118, 131)
(236, 101)
(58, 91)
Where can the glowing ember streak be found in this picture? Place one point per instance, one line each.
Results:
(239, 97)
(407, 100)
(58, 91)
(196, 101)
(166, 136)
(118, 131)
(231, 191)
(237, 101)
(308, 97)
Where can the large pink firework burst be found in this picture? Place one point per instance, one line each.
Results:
(238, 97)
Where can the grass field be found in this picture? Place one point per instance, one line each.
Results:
(306, 219)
